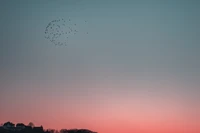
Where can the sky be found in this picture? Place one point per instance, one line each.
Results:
(136, 71)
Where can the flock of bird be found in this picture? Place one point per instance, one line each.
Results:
(58, 31)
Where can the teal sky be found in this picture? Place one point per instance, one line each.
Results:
(135, 50)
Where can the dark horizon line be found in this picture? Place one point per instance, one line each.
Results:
(10, 127)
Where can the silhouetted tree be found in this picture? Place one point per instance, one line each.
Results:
(80, 131)
(31, 124)
(32, 129)
(9, 123)
(51, 130)
(20, 125)
(56, 131)
(72, 130)
(63, 131)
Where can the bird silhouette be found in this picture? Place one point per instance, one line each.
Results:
(59, 28)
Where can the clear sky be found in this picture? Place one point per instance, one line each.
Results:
(137, 71)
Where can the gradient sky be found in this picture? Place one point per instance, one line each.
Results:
(137, 71)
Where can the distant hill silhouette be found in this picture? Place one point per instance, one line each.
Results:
(10, 127)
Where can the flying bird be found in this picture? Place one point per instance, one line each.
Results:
(57, 29)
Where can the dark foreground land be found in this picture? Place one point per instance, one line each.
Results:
(9, 127)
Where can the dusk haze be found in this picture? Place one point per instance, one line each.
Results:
(110, 66)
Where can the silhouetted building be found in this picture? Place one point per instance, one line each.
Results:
(38, 129)
(28, 127)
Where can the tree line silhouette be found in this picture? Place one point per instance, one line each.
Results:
(10, 127)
